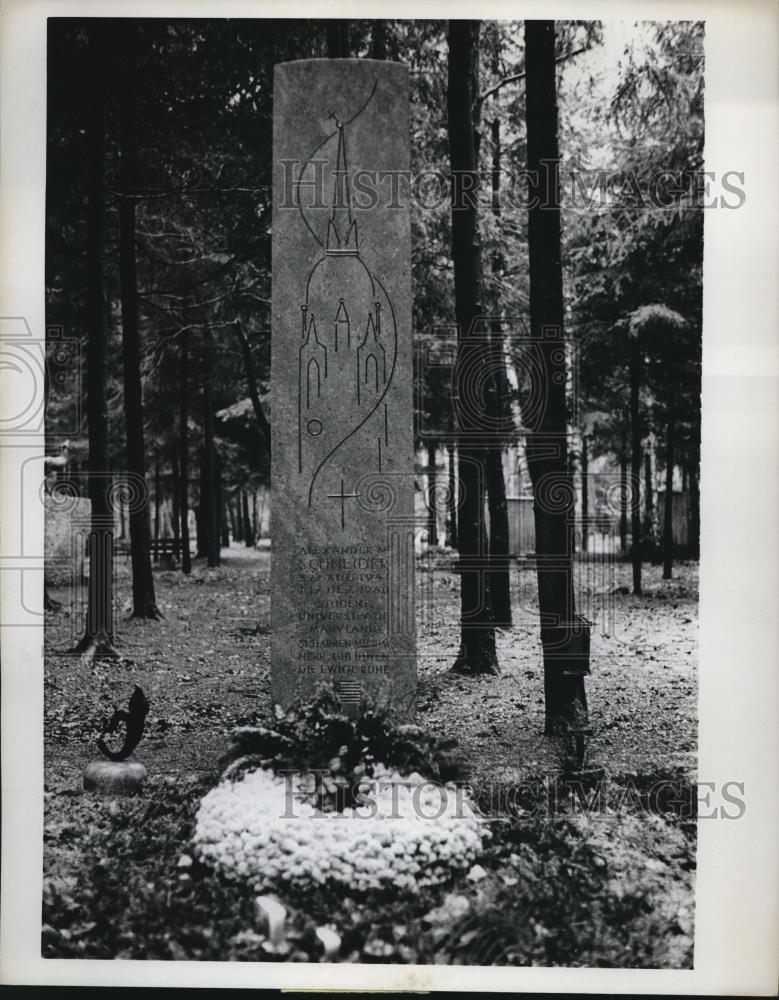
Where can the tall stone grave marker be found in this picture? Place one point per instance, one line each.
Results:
(342, 519)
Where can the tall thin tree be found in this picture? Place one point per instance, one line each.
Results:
(635, 460)
(183, 481)
(547, 447)
(498, 410)
(98, 638)
(477, 654)
(144, 599)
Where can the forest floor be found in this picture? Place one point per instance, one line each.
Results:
(205, 670)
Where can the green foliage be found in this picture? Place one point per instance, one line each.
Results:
(316, 735)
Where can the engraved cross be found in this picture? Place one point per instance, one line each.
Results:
(343, 496)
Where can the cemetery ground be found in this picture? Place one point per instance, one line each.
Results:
(599, 876)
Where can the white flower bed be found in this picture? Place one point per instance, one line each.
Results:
(407, 832)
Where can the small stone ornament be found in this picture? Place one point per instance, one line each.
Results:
(116, 775)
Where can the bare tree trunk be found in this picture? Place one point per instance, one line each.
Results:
(451, 513)
(477, 654)
(201, 521)
(635, 464)
(497, 400)
(668, 523)
(585, 481)
(98, 639)
(231, 516)
(210, 513)
(239, 518)
(561, 628)
(623, 498)
(249, 538)
(144, 599)
(650, 528)
(157, 500)
(176, 516)
(254, 395)
(183, 485)
(695, 510)
(221, 520)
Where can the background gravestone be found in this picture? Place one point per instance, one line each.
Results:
(343, 457)
(64, 545)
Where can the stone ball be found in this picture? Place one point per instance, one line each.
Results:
(109, 777)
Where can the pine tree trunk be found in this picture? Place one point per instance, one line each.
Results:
(221, 520)
(201, 517)
(98, 639)
(183, 484)
(623, 499)
(668, 523)
(251, 381)
(635, 465)
(157, 502)
(497, 401)
(565, 701)
(176, 516)
(695, 512)
(144, 600)
(209, 501)
(585, 481)
(432, 489)
(233, 526)
(650, 528)
(477, 653)
(451, 498)
(249, 539)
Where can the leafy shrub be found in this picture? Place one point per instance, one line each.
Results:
(317, 736)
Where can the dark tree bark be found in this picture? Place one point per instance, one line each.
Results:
(432, 489)
(635, 464)
(585, 481)
(668, 523)
(477, 653)
(337, 39)
(249, 533)
(497, 402)
(223, 533)
(451, 501)
(224, 522)
(623, 498)
(183, 484)
(254, 395)
(695, 511)
(565, 701)
(233, 525)
(209, 501)
(175, 515)
(650, 534)
(201, 522)
(98, 639)
(157, 502)
(144, 600)
(255, 530)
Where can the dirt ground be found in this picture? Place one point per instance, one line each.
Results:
(205, 668)
(557, 886)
